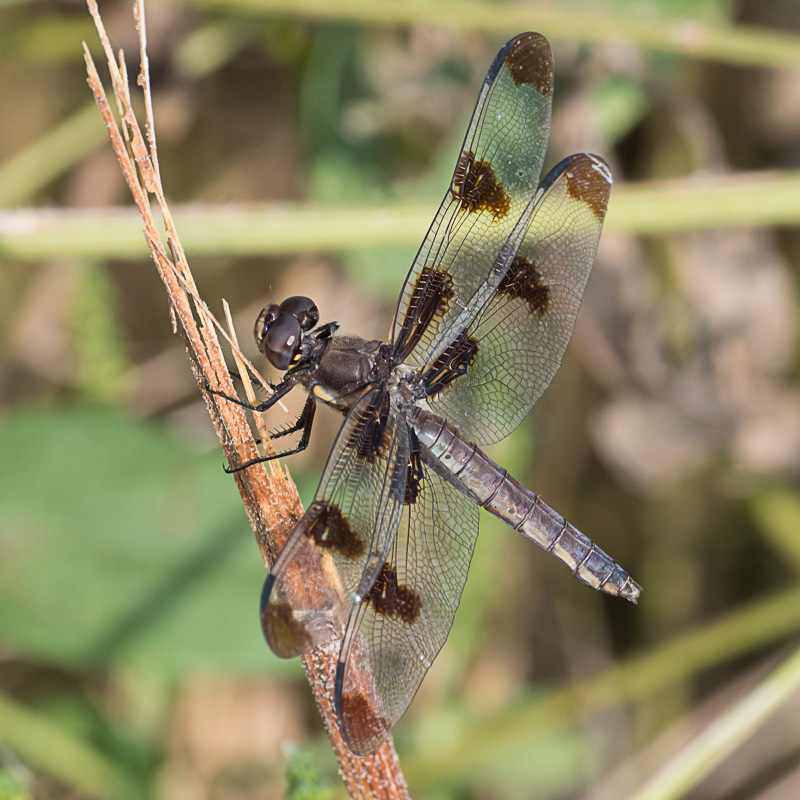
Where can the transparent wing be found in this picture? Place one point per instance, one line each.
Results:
(494, 371)
(486, 210)
(394, 635)
(340, 543)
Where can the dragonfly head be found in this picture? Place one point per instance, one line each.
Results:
(280, 330)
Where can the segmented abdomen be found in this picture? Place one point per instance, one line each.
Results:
(519, 507)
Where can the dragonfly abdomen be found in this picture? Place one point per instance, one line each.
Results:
(506, 498)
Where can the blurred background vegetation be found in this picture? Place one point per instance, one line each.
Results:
(315, 141)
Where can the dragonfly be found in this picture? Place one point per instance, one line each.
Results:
(379, 560)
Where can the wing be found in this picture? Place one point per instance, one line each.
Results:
(340, 543)
(394, 635)
(497, 368)
(486, 211)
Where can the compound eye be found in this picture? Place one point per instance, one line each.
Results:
(303, 309)
(265, 320)
(282, 341)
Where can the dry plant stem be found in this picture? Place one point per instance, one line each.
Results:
(271, 500)
(269, 450)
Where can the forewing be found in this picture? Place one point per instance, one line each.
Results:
(340, 544)
(394, 635)
(483, 215)
(493, 372)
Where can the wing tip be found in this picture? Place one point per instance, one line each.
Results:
(529, 59)
(362, 729)
(588, 180)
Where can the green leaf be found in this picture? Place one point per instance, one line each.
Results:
(117, 542)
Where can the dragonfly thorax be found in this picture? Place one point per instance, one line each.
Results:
(343, 368)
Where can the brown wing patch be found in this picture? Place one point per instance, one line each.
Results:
(361, 724)
(530, 60)
(476, 187)
(524, 280)
(330, 530)
(389, 598)
(432, 294)
(451, 363)
(285, 633)
(588, 180)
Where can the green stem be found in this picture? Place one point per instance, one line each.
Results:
(719, 740)
(58, 752)
(733, 45)
(25, 173)
(693, 204)
(761, 623)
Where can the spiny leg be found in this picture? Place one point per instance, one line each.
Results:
(278, 392)
(303, 423)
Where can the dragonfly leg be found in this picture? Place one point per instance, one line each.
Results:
(303, 423)
(277, 392)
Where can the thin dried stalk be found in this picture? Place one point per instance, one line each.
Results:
(270, 497)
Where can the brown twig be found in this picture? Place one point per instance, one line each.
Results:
(270, 497)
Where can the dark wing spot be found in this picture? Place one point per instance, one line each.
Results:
(363, 728)
(589, 180)
(524, 280)
(476, 187)
(285, 633)
(330, 530)
(390, 599)
(370, 437)
(530, 60)
(432, 294)
(452, 363)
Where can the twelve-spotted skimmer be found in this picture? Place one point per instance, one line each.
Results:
(380, 558)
